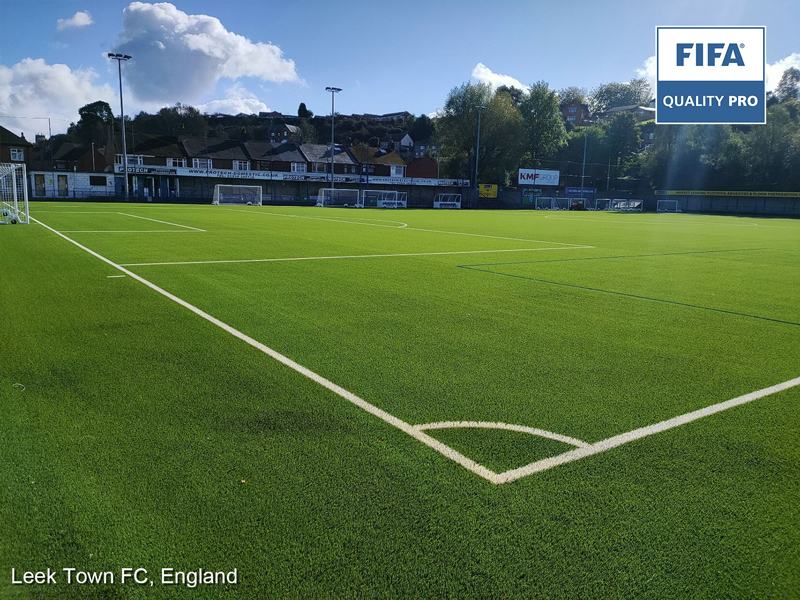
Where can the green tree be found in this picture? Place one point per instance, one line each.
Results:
(95, 119)
(544, 127)
(185, 120)
(514, 93)
(502, 139)
(610, 95)
(303, 112)
(457, 126)
(789, 85)
(572, 94)
(624, 138)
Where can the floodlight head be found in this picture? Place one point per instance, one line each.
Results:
(119, 56)
(333, 89)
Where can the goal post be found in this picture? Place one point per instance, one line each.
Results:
(338, 197)
(627, 205)
(13, 194)
(384, 199)
(668, 206)
(447, 201)
(237, 194)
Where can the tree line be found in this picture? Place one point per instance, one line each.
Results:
(525, 129)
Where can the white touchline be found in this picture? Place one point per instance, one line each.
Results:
(258, 260)
(417, 433)
(164, 222)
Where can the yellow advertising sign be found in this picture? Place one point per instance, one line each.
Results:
(728, 193)
(487, 190)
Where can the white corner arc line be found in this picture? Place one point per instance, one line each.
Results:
(642, 432)
(453, 455)
(164, 222)
(407, 254)
(507, 426)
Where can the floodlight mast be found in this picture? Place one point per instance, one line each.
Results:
(119, 58)
(333, 91)
(477, 152)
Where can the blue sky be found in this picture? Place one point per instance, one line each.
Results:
(244, 56)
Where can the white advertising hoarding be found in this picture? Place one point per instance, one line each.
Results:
(538, 177)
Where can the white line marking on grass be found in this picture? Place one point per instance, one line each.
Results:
(507, 426)
(349, 396)
(126, 230)
(164, 222)
(258, 260)
(636, 434)
(416, 431)
(114, 276)
(407, 228)
(401, 225)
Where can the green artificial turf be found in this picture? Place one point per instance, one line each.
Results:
(136, 434)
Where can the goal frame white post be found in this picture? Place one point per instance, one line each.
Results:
(13, 194)
(384, 199)
(237, 195)
(339, 198)
(668, 205)
(445, 200)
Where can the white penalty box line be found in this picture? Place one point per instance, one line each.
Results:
(417, 431)
(111, 212)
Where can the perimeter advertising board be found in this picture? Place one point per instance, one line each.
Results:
(538, 177)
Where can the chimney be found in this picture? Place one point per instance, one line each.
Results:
(22, 135)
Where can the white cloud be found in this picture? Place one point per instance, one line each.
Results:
(648, 70)
(178, 57)
(32, 88)
(774, 71)
(239, 100)
(484, 74)
(79, 19)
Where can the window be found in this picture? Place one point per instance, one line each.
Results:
(319, 167)
(241, 165)
(201, 163)
(422, 147)
(97, 180)
(136, 160)
(570, 119)
(298, 167)
(17, 154)
(572, 111)
(398, 170)
(176, 162)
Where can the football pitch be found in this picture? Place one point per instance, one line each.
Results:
(401, 404)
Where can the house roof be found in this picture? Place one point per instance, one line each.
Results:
(214, 148)
(395, 137)
(629, 108)
(321, 153)
(71, 151)
(283, 152)
(158, 145)
(375, 156)
(9, 138)
(293, 129)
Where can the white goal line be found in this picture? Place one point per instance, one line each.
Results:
(295, 258)
(417, 431)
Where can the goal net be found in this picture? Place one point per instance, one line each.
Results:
(668, 206)
(384, 199)
(447, 201)
(13, 194)
(338, 197)
(237, 194)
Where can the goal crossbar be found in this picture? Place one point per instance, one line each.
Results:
(237, 194)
